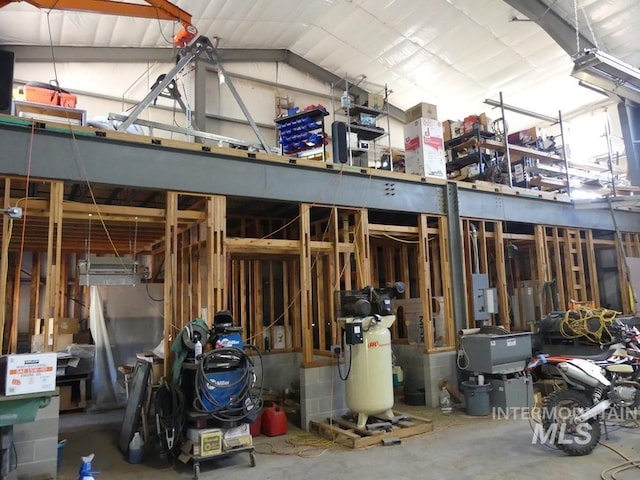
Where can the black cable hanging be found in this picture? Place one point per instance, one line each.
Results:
(241, 401)
(170, 408)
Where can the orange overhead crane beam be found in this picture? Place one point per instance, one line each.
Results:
(156, 9)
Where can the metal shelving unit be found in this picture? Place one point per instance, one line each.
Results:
(539, 156)
(365, 133)
(311, 122)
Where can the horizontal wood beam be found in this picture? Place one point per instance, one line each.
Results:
(38, 207)
(398, 229)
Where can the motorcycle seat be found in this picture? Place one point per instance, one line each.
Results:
(596, 358)
(620, 368)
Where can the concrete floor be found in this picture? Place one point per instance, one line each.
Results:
(460, 447)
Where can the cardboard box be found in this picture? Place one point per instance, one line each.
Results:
(62, 341)
(421, 110)
(452, 129)
(37, 343)
(157, 365)
(206, 441)
(424, 148)
(73, 396)
(27, 373)
(68, 325)
(523, 137)
(480, 121)
(65, 398)
(375, 101)
(82, 338)
(238, 437)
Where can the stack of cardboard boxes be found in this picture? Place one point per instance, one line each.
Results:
(67, 331)
(424, 142)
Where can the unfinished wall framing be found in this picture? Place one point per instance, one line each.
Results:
(276, 265)
(536, 268)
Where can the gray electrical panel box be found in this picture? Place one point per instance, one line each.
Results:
(485, 299)
(497, 354)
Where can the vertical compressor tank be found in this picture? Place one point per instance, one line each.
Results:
(369, 386)
(365, 316)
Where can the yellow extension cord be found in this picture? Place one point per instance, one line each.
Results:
(576, 324)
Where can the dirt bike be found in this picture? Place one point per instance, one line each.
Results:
(596, 386)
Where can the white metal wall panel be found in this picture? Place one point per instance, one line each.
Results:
(453, 53)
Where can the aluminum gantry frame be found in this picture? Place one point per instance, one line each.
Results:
(202, 49)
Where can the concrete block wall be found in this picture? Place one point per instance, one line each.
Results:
(37, 443)
(322, 394)
(438, 366)
(280, 369)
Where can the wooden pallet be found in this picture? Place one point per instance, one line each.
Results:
(347, 433)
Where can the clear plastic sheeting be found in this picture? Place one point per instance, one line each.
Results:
(105, 393)
(124, 321)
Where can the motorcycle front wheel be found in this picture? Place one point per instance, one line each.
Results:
(559, 410)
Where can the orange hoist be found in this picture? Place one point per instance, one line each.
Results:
(155, 9)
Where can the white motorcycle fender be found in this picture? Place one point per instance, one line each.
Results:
(585, 372)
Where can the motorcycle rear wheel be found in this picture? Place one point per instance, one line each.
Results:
(559, 408)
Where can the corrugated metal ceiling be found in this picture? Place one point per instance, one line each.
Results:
(454, 53)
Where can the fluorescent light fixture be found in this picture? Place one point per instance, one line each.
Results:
(522, 111)
(96, 270)
(603, 71)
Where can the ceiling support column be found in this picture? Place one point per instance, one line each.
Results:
(630, 124)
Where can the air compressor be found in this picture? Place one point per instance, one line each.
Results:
(365, 317)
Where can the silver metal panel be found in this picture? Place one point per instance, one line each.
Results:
(456, 249)
(512, 208)
(148, 166)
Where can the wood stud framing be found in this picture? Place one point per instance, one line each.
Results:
(288, 280)
(305, 284)
(4, 261)
(170, 276)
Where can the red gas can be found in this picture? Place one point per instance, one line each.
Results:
(256, 426)
(274, 421)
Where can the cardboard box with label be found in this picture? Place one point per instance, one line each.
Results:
(28, 373)
(205, 441)
(424, 148)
